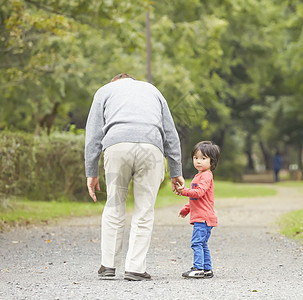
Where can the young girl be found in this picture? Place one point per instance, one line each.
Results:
(201, 207)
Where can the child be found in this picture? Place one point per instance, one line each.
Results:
(201, 207)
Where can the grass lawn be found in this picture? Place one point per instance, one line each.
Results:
(298, 183)
(223, 189)
(292, 184)
(292, 225)
(32, 212)
(20, 211)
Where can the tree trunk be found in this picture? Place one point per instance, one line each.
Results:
(266, 156)
(47, 120)
(248, 151)
(250, 161)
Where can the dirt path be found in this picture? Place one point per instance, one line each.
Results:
(251, 261)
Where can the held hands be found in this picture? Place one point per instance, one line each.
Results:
(177, 182)
(179, 189)
(92, 183)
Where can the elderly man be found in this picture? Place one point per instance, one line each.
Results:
(130, 121)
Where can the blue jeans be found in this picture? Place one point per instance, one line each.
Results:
(201, 234)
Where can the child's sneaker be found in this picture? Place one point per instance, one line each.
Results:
(193, 273)
(208, 274)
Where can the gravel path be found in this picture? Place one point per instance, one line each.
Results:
(250, 260)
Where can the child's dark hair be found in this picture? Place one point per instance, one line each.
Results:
(210, 150)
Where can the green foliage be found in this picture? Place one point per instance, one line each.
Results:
(16, 163)
(44, 168)
(232, 161)
(58, 168)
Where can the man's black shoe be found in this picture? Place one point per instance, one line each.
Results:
(132, 276)
(106, 272)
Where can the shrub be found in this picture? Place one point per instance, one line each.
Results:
(16, 163)
(44, 167)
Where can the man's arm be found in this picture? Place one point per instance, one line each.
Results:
(93, 145)
(172, 149)
(93, 137)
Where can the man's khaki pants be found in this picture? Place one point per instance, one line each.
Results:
(144, 163)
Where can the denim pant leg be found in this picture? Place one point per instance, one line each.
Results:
(201, 234)
(207, 257)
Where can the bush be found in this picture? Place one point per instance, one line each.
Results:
(16, 163)
(44, 167)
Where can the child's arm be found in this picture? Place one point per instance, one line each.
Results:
(184, 211)
(202, 187)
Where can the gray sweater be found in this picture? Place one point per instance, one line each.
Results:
(133, 111)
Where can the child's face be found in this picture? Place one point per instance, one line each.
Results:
(201, 162)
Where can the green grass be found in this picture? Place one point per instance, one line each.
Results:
(166, 197)
(223, 189)
(292, 184)
(33, 212)
(292, 225)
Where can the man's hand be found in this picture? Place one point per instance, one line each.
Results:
(92, 183)
(177, 182)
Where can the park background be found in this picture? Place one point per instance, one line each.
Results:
(230, 70)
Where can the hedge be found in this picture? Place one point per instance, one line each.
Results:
(44, 167)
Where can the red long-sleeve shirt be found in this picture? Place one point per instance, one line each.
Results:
(201, 199)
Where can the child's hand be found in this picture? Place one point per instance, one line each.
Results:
(181, 215)
(179, 189)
